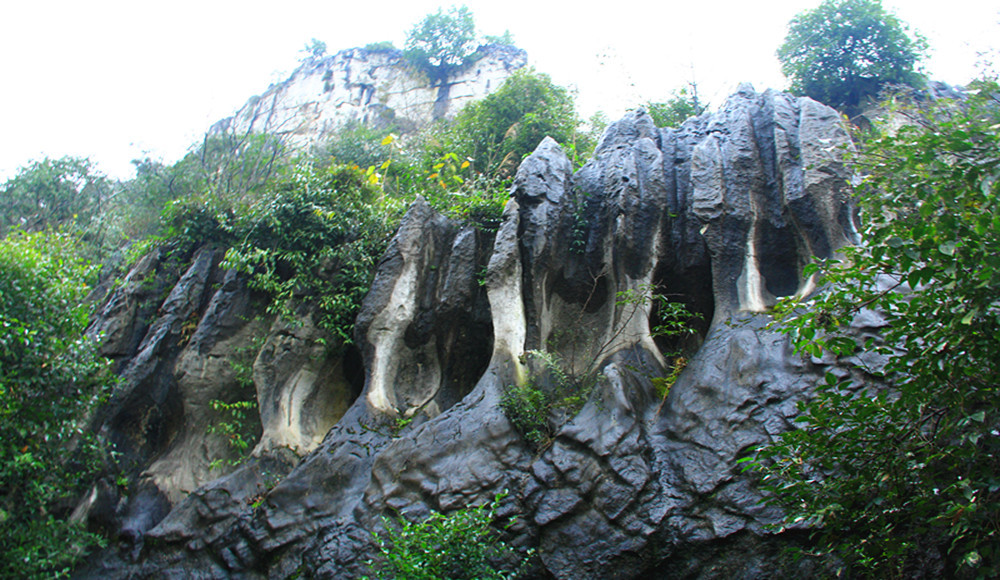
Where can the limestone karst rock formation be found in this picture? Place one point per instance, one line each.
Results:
(721, 214)
(370, 87)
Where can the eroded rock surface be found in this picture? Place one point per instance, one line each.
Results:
(368, 87)
(721, 215)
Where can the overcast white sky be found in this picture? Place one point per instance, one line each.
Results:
(115, 80)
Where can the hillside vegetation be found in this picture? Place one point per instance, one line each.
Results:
(896, 477)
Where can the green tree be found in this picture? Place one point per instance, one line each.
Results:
(53, 192)
(134, 211)
(443, 42)
(681, 106)
(501, 129)
(846, 51)
(50, 378)
(898, 469)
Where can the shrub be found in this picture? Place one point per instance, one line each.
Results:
(67, 193)
(681, 106)
(317, 236)
(461, 544)
(238, 423)
(50, 378)
(529, 408)
(505, 126)
(382, 46)
(554, 393)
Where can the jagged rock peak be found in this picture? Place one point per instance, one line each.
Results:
(372, 87)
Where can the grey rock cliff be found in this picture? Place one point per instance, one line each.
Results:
(373, 88)
(720, 214)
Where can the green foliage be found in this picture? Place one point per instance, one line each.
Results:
(455, 191)
(846, 51)
(534, 408)
(671, 322)
(461, 544)
(357, 144)
(134, 211)
(463, 167)
(310, 235)
(529, 408)
(445, 180)
(400, 172)
(442, 43)
(189, 222)
(50, 378)
(903, 472)
(315, 49)
(501, 129)
(554, 393)
(681, 106)
(506, 38)
(670, 319)
(195, 200)
(664, 384)
(383, 46)
(66, 193)
(237, 423)
(551, 396)
(316, 235)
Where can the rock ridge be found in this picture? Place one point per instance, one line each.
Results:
(721, 214)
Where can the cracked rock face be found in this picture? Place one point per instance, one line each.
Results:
(721, 214)
(370, 87)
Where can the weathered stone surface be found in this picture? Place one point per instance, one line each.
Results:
(721, 214)
(303, 386)
(374, 88)
(121, 323)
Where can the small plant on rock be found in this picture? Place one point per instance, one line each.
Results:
(237, 422)
(555, 394)
(528, 408)
(462, 544)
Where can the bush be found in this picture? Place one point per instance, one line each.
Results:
(66, 193)
(317, 235)
(681, 106)
(529, 409)
(50, 378)
(507, 125)
(554, 393)
(461, 544)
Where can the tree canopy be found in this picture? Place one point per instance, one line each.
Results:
(897, 464)
(845, 51)
(52, 192)
(499, 130)
(443, 42)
